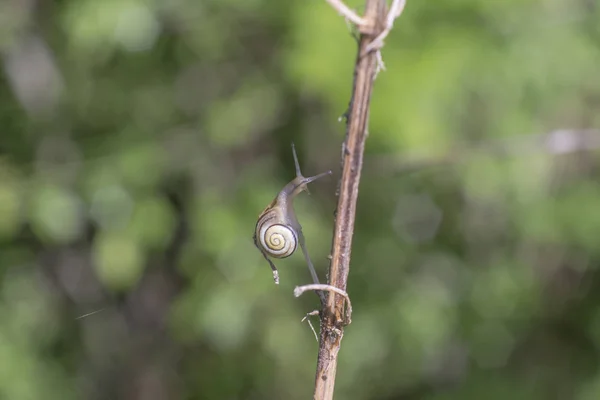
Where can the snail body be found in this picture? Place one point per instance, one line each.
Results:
(278, 233)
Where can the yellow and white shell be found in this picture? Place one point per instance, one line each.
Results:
(279, 241)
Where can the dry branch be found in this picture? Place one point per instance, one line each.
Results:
(332, 315)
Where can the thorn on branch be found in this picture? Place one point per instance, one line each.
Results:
(343, 117)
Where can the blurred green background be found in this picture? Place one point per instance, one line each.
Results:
(140, 139)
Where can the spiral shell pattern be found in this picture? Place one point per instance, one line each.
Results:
(279, 241)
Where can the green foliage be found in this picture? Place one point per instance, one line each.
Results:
(141, 140)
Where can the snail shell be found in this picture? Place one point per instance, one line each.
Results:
(277, 240)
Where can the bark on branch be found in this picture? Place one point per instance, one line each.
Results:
(333, 314)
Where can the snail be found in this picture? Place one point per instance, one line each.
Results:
(278, 232)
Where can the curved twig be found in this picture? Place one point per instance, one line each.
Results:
(299, 290)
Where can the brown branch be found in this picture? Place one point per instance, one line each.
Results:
(332, 315)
